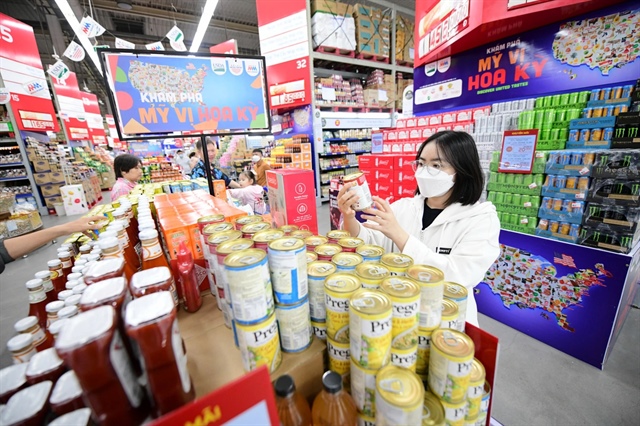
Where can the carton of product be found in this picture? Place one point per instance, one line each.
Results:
(292, 198)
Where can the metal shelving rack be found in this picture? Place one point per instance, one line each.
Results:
(323, 64)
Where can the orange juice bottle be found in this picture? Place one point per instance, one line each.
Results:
(334, 406)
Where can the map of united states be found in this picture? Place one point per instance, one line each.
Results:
(163, 83)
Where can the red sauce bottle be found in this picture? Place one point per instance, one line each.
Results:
(152, 281)
(104, 270)
(37, 301)
(92, 346)
(45, 276)
(66, 395)
(52, 311)
(152, 254)
(121, 214)
(192, 301)
(28, 407)
(12, 379)
(58, 278)
(151, 321)
(128, 249)
(111, 250)
(67, 262)
(30, 325)
(45, 365)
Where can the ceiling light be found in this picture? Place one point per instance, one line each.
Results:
(75, 25)
(207, 14)
(124, 4)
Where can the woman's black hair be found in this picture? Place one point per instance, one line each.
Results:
(251, 175)
(124, 163)
(459, 150)
(193, 154)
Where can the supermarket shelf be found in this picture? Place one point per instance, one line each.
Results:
(26, 194)
(347, 139)
(25, 177)
(354, 63)
(6, 140)
(336, 154)
(28, 232)
(338, 167)
(11, 164)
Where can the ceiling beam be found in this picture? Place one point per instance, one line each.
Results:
(150, 12)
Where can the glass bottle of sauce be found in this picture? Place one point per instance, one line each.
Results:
(151, 321)
(293, 409)
(85, 249)
(66, 395)
(128, 249)
(57, 276)
(52, 311)
(152, 281)
(28, 407)
(30, 325)
(104, 270)
(45, 365)
(111, 250)
(191, 299)
(91, 346)
(333, 406)
(55, 328)
(21, 348)
(12, 379)
(45, 276)
(152, 254)
(121, 215)
(37, 301)
(67, 262)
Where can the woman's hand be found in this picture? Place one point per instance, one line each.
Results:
(382, 219)
(84, 224)
(346, 199)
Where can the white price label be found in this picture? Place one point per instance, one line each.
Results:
(533, 185)
(527, 204)
(584, 171)
(580, 196)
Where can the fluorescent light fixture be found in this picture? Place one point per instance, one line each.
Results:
(207, 14)
(68, 13)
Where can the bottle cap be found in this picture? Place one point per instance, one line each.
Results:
(19, 342)
(85, 247)
(184, 254)
(68, 311)
(64, 295)
(332, 382)
(73, 300)
(284, 385)
(93, 257)
(43, 275)
(79, 289)
(111, 233)
(34, 283)
(108, 243)
(54, 328)
(74, 276)
(62, 254)
(148, 234)
(54, 263)
(55, 306)
(25, 323)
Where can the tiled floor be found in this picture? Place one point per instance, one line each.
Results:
(536, 384)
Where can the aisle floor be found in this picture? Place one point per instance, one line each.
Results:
(536, 384)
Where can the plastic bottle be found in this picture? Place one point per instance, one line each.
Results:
(111, 250)
(45, 276)
(67, 261)
(37, 301)
(334, 406)
(57, 277)
(293, 409)
(152, 254)
(191, 299)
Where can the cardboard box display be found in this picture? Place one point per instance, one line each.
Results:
(74, 199)
(220, 189)
(305, 147)
(41, 166)
(51, 201)
(306, 156)
(56, 177)
(292, 198)
(42, 178)
(332, 7)
(404, 190)
(296, 157)
(50, 190)
(307, 165)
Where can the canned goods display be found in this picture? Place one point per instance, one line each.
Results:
(371, 274)
(370, 253)
(315, 240)
(302, 234)
(340, 359)
(607, 133)
(338, 290)
(294, 325)
(370, 328)
(486, 397)
(319, 330)
(249, 286)
(450, 315)
(397, 263)
(399, 397)
(245, 220)
(584, 135)
(405, 300)
(336, 235)
(249, 230)
(361, 188)
(346, 261)
(596, 134)
(222, 251)
(317, 273)
(311, 257)
(405, 358)
(288, 229)
(574, 135)
(262, 239)
(459, 294)
(476, 389)
(424, 350)
(288, 269)
(450, 362)
(454, 412)
(431, 294)
(583, 183)
(363, 389)
(433, 411)
(327, 251)
(259, 344)
(350, 244)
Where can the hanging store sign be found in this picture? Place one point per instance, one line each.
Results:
(71, 108)
(95, 122)
(229, 47)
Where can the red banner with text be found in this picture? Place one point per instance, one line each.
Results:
(71, 108)
(94, 119)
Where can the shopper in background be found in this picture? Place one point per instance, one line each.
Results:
(199, 171)
(14, 248)
(444, 225)
(250, 192)
(128, 169)
(193, 160)
(260, 166)
(182, 161)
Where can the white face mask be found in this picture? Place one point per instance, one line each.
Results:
(255, 158)
(433, 182)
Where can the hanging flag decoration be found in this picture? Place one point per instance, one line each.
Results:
(124, 44)
(154, 46)
(75, 52)
(59, 70)
(176, 39)
(5, 96)
(90, 27)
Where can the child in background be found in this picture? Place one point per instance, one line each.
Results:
(250, 192)
(128, 169)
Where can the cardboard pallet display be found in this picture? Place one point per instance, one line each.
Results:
(373, 31)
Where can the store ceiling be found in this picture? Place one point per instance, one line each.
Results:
(148, 21)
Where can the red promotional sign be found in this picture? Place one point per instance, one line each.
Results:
(18, 43)
(284, 42)
(247, 401)
(71, 108)
(94, 118)
(229, 47)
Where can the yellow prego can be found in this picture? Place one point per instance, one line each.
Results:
(363, 389)
(338, 289)
(405, 300)
(302, 234)
(366, 420)
(337, 234)
(340, 360)
(450, 315)
(370, 328)
(432, 411)
(371, 275)
(454, 412)
(311, 257)
(459, 294)
(327, 251)
(450, 362)
(260, 344)
(288, 229)
(399, 397)
(346, 261)
(431, 294)
(424, 349)
(476, 390)
(486, 398)
(405, 358)
(397, 263)
(370, 253)
(317, 273)
(319, 330)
